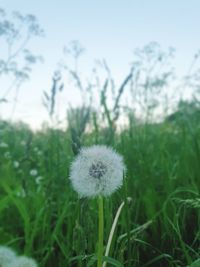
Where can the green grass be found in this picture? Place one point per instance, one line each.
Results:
(47, 221)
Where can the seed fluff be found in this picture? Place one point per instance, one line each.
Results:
(23, 261)
(97, 170)
(7, 255)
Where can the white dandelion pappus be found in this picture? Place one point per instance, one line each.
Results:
(23, 261)
(16, 164)
(2, 144)
(38, 179)
(97, 170)
(33, 172)
(7, 255)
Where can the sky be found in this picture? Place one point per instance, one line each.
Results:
(109, 30)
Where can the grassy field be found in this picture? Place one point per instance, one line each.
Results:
(41, 216)
(148, 111)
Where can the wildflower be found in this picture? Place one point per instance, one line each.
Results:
(16, 164)
(4, 145)
(23, 261)
(33, 172)
(38, 180)
(97, 171)
(7, 255)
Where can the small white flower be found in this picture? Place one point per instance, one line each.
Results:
(38, 179)
(97, 170)
(2, 144)
(33, 172)
(7, 255)
(23, 261)
(16, 164)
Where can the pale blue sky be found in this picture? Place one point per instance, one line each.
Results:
(107, 29)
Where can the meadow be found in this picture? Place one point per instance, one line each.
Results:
(147, 118)
(41, 216)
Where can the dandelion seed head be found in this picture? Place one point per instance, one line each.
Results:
(38, 179)
(33, 172)
(7, 255)
(23, 261)
(2, 144)
(97, 170)
(16, 164)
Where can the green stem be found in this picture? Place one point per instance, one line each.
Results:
(100, 244)
(112, 232)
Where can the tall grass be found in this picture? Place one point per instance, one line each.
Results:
(42, 217)
(45, 219)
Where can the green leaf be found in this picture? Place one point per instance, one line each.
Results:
(195, 263)
(106, 259)
(113, 261)
(92, 261)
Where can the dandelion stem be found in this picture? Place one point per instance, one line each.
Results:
(100, 243)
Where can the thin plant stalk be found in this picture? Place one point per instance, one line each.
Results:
(101, 229)
(112, 231)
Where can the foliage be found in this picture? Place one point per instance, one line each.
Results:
(16, 60)
(41, 215)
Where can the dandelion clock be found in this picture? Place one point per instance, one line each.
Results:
(23, 261)
(97, 172)
(7, 255)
